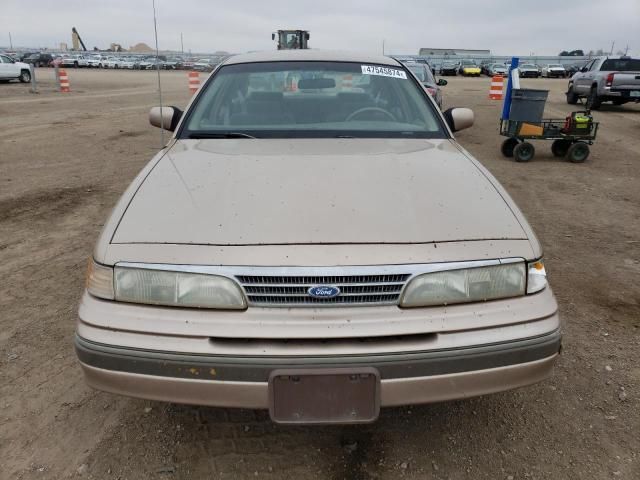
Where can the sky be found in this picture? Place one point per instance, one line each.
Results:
(506, 27)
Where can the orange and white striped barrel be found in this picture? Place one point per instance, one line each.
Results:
(291, 84)
(495, 90)
(194, 82)
(63, 78)
(347, 81)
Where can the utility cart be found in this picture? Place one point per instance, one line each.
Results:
(571, 136)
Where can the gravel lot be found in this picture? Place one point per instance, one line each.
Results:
(65, 159)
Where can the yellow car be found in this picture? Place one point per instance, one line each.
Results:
(469, 68)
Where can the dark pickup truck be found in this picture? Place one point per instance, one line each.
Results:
(39, 59)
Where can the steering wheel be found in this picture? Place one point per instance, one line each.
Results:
(370, 109)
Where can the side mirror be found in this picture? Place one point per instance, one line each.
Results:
(165, 117)
(273, 36)
(442, 82)
(459, 118)
(583, 70)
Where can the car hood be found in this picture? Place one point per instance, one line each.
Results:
(316, 191)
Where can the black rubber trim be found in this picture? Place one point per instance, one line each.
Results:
(258, 369)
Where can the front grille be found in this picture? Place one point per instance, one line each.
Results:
(292, 290)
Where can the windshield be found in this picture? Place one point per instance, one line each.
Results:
(312, 100)
(528, 66)
(468, 63)
(423, 73)
(554, 65)
(621, 65)
(418, 71)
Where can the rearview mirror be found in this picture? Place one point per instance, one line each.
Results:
(316, 83)
(165, 117)
(459, 118)
(442, 82)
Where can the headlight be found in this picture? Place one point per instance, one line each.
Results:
(465, 285)
(99, 280)
(178, 289)
(536, 277)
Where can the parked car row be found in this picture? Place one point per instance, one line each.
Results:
(491, 68)
(100, 60)
(118, 61)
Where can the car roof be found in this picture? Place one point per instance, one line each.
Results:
(311, 55)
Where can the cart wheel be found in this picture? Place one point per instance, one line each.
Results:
(578, 152)
(507, 147)
(523, 152)
(560, 147)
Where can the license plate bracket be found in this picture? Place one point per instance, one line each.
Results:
(324, 396)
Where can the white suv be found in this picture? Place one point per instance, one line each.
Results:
(10, 70)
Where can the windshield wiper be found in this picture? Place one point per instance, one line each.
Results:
(220, 135)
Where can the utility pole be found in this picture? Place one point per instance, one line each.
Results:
(383, 46)
(10, 42)
(181, 44)
(612, 44)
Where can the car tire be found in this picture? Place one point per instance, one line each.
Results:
(75, 64)
(560, 147)
(578, 152)
(619, 102)
(593, 102)
(508, 146)
(572, 97)
(524, 152)
(25, 76)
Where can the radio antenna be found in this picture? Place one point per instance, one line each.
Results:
(155, 29)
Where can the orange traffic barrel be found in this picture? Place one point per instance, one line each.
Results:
(347, 81)
(194, 82)
(63, 79)
(495, 90)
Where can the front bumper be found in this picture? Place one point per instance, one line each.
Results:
(241, 381)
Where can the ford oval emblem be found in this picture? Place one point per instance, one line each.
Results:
(323, 291)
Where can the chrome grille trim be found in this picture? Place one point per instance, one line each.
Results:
(265, 290)
(368, 285)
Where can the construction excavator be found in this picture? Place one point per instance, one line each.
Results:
(76, 40)
(291, 39)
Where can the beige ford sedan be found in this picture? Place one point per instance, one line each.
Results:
(312, 240)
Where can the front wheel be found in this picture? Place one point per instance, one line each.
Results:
(578, 152)
(524, 152)
(559, 148)
(572, 98)
(507, 147)
(25, 76)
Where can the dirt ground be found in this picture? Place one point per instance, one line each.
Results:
(65, 159)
